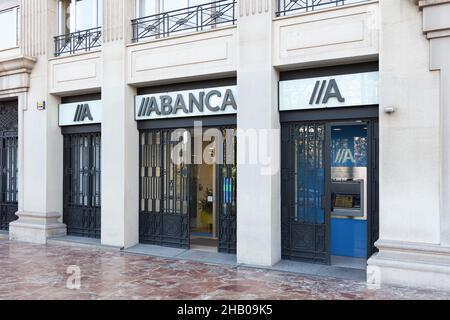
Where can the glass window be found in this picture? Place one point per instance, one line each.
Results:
(78, 15)
(349, 146)
(9, 25)
(64, 17)
(87, 14)
(146, 8)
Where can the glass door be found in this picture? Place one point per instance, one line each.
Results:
(227, 192)
(305, 205)
(164, 191)
(82, 188)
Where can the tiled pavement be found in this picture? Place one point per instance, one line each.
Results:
(40, 272)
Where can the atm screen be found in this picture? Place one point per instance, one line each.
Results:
(346, 201)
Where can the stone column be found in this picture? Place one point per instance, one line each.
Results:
(414, 146)
(436, 25)
(40, 140)
(258, 200)
(120, 145)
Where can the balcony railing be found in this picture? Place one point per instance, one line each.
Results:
(78, 41)
(287, 7)
(197, 18)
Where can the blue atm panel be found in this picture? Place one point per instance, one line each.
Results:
(349, 238)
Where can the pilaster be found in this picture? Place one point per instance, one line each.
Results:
(40, 140)
(258, 202)
(120, 137)
(414, 245)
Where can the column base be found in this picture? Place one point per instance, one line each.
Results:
(410, 264)
(36, 227)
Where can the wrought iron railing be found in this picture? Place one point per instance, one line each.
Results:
(191, 19)
(287, 7)
(78, 41)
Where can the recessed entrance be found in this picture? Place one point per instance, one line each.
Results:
(329, 192)
(188, 204)
(203, 216)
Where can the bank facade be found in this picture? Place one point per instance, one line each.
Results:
(303, 131)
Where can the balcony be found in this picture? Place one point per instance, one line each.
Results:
(79, 41)
(192, 19)
(289, 7)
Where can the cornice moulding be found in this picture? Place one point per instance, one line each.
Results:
(428, 3)
(17, 63)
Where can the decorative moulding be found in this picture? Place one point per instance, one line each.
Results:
(427, 3)
(253, 7)
(23, 63)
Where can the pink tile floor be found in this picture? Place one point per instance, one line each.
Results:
(30, 271)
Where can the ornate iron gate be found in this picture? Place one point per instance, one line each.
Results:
(164, 192)
(227, 174)
(82, 188)
(305, 209)
(8, 164)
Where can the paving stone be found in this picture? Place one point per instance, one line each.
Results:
(39, 272)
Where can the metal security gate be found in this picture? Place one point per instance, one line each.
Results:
(164, 192)
(82, 188)
(227, 183)
(305, 207)
(8, 164)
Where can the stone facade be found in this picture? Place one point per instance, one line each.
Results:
(410, 39)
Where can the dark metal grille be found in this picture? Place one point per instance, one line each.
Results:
(227, 193)
(305, 218)
(286, 7)
(78, 41)
(82, 188)
(8, 164)
(164, 192)
(191, 19)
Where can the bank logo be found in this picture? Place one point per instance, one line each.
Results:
(324, 91)
(82, 113)
(199, 102)
(343, 156)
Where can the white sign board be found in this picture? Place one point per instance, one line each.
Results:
(80, 113)
(189, 103)
(359, 89)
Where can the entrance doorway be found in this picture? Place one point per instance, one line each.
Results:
(329, 189)
(8, 163)
(189, 204)
(203, 216)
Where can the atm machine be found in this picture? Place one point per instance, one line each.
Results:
(348, 192)
(348, 187)
(349, 212)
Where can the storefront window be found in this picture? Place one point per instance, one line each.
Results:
(78, 15)
(9, 26)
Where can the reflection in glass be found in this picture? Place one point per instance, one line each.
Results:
(309, 174)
